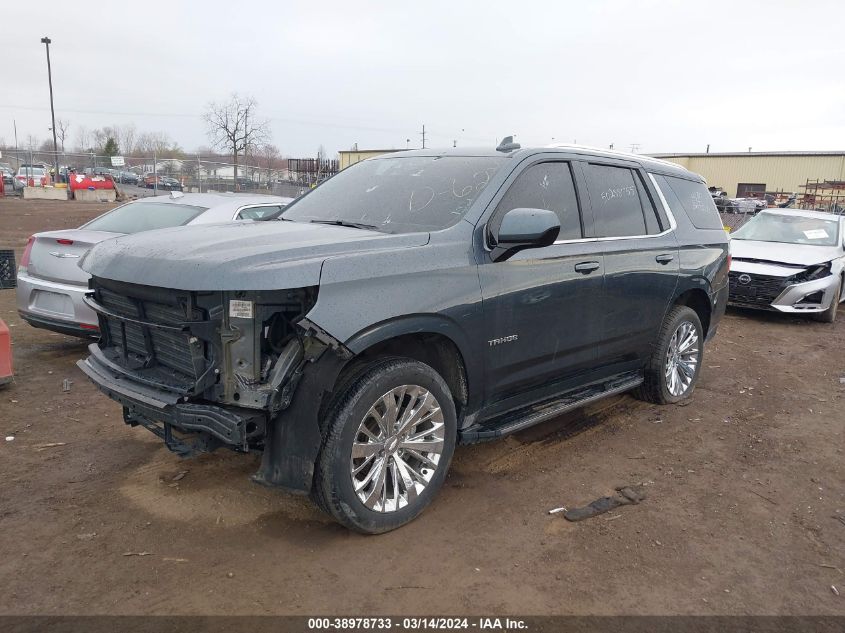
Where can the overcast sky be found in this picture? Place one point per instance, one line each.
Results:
(668, 76)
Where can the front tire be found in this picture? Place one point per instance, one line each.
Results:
(672, 371)
(390, 438)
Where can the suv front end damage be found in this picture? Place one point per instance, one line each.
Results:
(202, 369)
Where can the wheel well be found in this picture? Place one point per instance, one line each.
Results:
(435, 350)
(698, 300)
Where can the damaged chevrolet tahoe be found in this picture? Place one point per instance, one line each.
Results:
(412, 302)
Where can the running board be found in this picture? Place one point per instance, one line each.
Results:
(529, 416)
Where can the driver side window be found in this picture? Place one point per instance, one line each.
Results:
(545, 186)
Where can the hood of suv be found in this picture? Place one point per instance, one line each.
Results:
(239, 256)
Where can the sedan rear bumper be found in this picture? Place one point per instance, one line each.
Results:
(55, 306)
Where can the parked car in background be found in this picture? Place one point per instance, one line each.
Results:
(790, 261)
(98, 171)
(165, 183)
(128, 178)
(170, 184)
(50, 283)
(33, 176)
(408, 303)
(11, 184)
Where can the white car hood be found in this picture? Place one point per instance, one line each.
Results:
(777, 252)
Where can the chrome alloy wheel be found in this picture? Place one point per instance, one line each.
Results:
(682, 359)
(397, 448)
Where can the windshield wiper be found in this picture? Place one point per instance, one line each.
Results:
(354, 225)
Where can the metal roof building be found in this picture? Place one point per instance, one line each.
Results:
(742, 173)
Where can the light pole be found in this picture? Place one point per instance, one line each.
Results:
(46, 41)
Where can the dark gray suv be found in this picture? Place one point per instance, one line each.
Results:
(411, 302)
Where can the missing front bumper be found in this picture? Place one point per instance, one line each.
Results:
(162, 412)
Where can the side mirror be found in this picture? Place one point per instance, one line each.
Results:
(523, 228)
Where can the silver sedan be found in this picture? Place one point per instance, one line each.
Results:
(51, 285)
(790, 261)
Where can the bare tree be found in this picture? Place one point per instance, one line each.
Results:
(158, 143)
(99, 138)
(62, 129)
(269, 155)
(124, 136)
(233, 125)
(83, 139)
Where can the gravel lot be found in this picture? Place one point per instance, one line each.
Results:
(745, 511)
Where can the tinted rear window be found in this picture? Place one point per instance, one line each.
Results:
(695, 199)
(144, 216)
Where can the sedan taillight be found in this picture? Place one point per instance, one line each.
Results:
(24, 263)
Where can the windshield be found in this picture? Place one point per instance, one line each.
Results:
(144, 216)
(790, 229)
(32, 171)
(399, 195)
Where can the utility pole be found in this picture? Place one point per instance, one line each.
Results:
(46, 41)
(423, 136)
(17, 153)
(708, 149)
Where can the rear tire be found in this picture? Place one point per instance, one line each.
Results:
(389, 441)
(672, 371)
(829, 315)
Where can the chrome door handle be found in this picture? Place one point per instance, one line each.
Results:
(585, 268)
(664, 259)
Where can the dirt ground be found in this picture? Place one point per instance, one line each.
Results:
(745, 511)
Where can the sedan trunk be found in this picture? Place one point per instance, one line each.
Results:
(55, 255)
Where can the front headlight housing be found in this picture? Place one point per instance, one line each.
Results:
(812, 273)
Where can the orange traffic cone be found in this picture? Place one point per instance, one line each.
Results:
(6, 373)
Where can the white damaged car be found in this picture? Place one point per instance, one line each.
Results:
(790, 261)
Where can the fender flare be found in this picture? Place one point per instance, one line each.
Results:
(424, 324)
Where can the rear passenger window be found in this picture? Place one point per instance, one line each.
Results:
(652, 224)
(545, 186)
(617, 195)
(695, 200)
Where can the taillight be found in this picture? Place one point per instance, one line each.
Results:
(730, 257)
(24, 263)
(64, 241)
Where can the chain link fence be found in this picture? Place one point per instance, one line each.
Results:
(196, 173)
